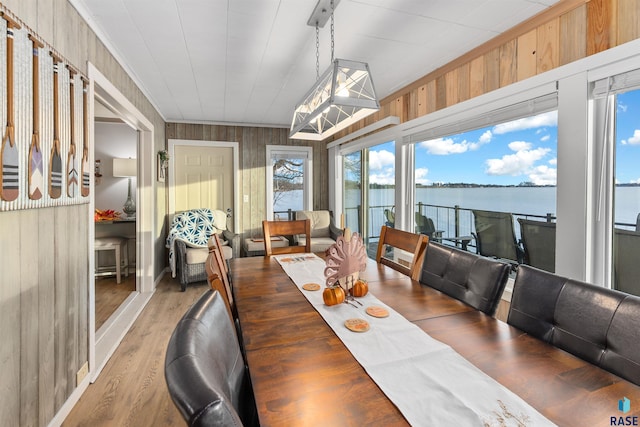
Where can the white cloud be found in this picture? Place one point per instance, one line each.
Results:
(622, 107)
(485, 137)
(444, 147)
(380, 159)
(519, 145)
(543, 175)
(545, 138)
(384, 176)
(553, 162)
(515, 164)
(544, 119)
(421, 176)
(635, 181)
(634, 140)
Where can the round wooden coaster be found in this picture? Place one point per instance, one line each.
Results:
(377, 311)
(311, 287)
(357, 325)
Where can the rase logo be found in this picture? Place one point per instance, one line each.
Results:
(624, 406)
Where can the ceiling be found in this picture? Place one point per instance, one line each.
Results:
(251, 61)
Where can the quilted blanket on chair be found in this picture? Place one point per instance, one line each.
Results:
(194, 227)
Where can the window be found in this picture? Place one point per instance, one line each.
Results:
(369, 191)
(289, 181)
(626, 232)
(508, 169)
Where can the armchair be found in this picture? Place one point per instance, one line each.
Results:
(189, 239)
(323, 232)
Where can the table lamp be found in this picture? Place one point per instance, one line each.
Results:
(126, 168)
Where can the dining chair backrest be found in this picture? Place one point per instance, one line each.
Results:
(413, 244)
(286, 228)
(539, 241)
(218, 279)
(495, 235)
(204, 368)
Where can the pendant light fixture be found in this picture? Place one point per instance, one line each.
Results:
(341, 96)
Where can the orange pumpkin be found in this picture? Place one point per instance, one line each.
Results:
(360, 288)
(333, 296)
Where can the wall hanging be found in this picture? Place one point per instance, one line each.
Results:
(44, 107)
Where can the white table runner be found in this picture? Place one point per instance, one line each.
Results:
(429, 382)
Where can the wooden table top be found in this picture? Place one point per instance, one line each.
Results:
(302, 374)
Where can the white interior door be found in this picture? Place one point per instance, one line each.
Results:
(203, 177)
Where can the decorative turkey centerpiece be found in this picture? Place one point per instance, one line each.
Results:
(345, 260)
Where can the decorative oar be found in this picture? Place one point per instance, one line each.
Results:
(36, 167)
(55, 163)
(72, 171)
(10, 186)
(86, 173)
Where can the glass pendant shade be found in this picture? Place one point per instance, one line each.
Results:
(343, 95)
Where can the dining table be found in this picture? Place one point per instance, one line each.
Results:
(303, 374)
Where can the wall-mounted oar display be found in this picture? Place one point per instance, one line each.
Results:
(9, 157)
(36, 167)
(55, 163)
(86, 171)
(72, 170)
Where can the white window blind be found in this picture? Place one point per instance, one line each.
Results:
(527, 108)
(619, 83)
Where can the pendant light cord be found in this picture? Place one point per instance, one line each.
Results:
(332, 30)
(317, 52)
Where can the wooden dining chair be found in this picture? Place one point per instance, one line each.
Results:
(414, 244)
(286, 228)
(218, 279)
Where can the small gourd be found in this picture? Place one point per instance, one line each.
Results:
(333, 295)
(360, 288)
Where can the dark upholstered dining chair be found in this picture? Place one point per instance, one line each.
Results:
(597, 324)
(470, 278)
(204, 368)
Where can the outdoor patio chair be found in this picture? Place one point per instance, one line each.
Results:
(539, 241)
(626, 263)
(425, 225)
(495, 236)
(389, 218)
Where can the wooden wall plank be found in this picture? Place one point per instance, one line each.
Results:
(46, 317)
(573, 35)
(628, 20)
(476, 77)
(29, 321)
(491, 73)
(463, 82)
(61, 283)
(451, 87)
(422, 100)
(9, 319)
(508, 63)
(441, 93)
(600, 17)
(431, 96)
(527, 45)
(548, 52)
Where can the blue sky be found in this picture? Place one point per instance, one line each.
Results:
(509, 153)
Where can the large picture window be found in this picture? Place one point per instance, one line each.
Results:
(491, 190)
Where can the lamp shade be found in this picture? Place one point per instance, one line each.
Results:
(124, 168)
(343, 95)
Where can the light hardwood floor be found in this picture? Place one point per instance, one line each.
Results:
(110, 294)
(131, 390)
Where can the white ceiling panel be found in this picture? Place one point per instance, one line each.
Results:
(251, 61)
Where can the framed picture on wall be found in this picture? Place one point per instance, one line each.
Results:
(163, 163)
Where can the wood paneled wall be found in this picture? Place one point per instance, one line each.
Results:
(252, 146)
(44, 259)
(566, 32)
